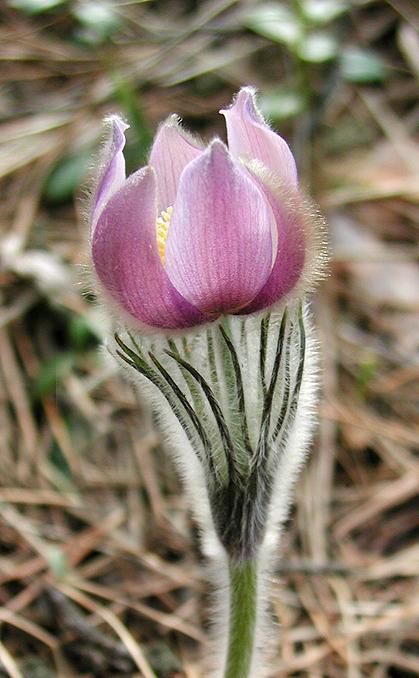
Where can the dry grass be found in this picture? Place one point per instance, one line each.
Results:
(99, 568)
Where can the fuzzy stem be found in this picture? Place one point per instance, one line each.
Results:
(242, 623)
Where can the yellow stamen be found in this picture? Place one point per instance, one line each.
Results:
(162, 229)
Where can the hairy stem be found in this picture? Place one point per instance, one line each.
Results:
(242, 622)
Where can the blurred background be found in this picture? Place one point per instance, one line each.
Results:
(100, 571)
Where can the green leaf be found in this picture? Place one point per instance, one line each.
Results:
(83, 332)
(361, 66)
(367, 370)
(322, 12)
(317, 48)
(282, 103)
(98, 19)
(276, 22)
(162, 659)
(66, 177)
(57, 561)
(36, 6)
(52, 372)
(59, 463)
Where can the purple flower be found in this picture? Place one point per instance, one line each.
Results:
(200, 232)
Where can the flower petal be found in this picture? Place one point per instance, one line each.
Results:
(292, 227)
(172, 150)
(127, 262)
(219, 244)
(249, 136)
(112, 174)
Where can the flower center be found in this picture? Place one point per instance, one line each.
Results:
(162, 228)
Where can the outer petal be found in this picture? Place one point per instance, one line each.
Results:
(219, 245)
(112, 174)
(127, 262)
(250, 136)
(172, 150)
(292, 228)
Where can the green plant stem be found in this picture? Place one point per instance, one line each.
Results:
(242, 622)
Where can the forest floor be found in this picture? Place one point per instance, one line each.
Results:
(100, 570)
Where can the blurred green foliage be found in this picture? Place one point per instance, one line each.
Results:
(310, 32)
(282, 103)
(367, 371)
(95, 21)
(36, 6)
(98, 21)
(57, 561)
(66, 177)
(300, 26)
(163, 660)
(362, 66)
(76, 335)
(51, 372)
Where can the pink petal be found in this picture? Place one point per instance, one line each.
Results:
(173, 149)
(127, 262)
(291, 219)
(249, 136)
(112, 173)
(219, 245)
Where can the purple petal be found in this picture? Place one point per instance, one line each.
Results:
(112, 173)
(127, 262)
(219, 245)
(291, 220)
(249, 136)
(173, 149)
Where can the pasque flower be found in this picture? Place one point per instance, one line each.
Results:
(200, 232)
(206, 255)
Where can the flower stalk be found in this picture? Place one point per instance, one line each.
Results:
(243, 609)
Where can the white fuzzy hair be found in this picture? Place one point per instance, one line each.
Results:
(288, 451)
